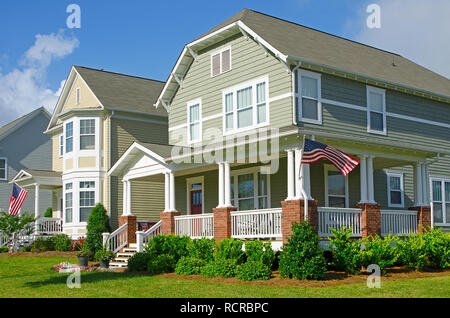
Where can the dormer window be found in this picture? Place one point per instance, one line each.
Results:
(220, 62)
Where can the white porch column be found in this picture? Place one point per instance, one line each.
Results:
(306, 180)
(166, 192)
(221, 185)
(227, 198)
(129, 212)
(363, 178)
(172, 192)
(419, 189)
(290, 175)
(298, 183)
(36, 201)
(370, 188)
(125, 198)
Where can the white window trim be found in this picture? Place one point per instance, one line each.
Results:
(78, 197)
(220, 60)
(234, 90)
(6, 168)
(253, 170)
(189, 104)
(189, 183)
(402, 189)
(327, 168)
(299, 97)
(381, 91)
(61, 145)
(444, 201)
(77, 96)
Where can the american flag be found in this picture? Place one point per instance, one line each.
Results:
(315, 151)
(17, 197)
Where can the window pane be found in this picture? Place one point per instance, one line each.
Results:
(215, 65)
(87, 126)
(247, 204)
(261, 92)
(396, 197)
(229, 121)
(245, 118)
(261, 113)
(262, 184)
(447, 213)
(245, 186)
(195, 131)
(2, 164)
(263, 203)
(229, 102)
(84, 214)
(69, 215)
(376, 121)
(87, 142)
(232, 188)
(309, 87)
(69, 144)
(226, 60)
(244, 97)
(69, 129)
(194, 113)
(309, 109)
(3, 173)
(87, 184)
(336, 183)
(437, 210)
(437, 191)
(395, 182)
(68, 186)
(61, 145)
(376, 102)
(447, 192)
(336, 202)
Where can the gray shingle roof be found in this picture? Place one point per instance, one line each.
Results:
(123, 92)
(322, 48)
(4, 129)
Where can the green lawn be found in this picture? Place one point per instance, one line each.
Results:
(32, 277)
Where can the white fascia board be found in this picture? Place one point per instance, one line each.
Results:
(22, 175)
(89, 88)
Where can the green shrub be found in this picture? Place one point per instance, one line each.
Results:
(43, 244)
(382, 252)
(163, 263)
(4, 249)
(173, 245)
(97, 225)
(229, 249)
(189, 266)
(253, 270)
(256, 251)
(138, 262)
(302, 257)
(48, 213)
(24, 248)
(201, 249)
(437, 247)
(345, 251)
(221, 267)
(412, 251)
(62, 242)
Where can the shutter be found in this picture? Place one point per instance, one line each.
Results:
(215, 65)
(226, 61)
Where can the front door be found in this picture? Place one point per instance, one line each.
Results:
(196, 201)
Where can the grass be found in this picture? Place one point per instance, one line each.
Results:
(32, 277)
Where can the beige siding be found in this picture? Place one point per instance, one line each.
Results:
(86, 162)
(87, 99)
(57, 161)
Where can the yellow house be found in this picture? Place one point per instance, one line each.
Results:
(97, 117)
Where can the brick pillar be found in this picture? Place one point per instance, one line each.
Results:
(168, 222)
(294, 211)
(132, 226)
(423, 217)
(370, 219)
(222, 222)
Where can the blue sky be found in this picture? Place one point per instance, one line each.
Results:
(144, 38)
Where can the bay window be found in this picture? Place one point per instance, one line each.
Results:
(69, 137)
(308, 97)
(441, 201)
(87, 134)
(376, 110)
(245, 106)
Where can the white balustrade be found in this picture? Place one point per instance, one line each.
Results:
(49, 226)
(265, 223)
(195, 226)
(117, 239)
(398, 222)
(336, 218)
(152, 232)
(3, 239)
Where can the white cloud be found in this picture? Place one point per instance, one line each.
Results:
(25, 88)
(416, 29)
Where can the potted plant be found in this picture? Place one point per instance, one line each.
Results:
(83, 257)
(104, 256)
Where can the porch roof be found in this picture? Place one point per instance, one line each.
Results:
(45, 178)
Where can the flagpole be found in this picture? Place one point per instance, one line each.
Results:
(302, 184)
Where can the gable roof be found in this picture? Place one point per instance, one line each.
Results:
(15, 124)
(115, 91)
(291, 43)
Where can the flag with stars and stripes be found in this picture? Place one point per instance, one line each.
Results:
(17, 197)
(315, 151)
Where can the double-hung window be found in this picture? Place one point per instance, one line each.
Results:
(87, 199)
(68, 204)
(61, 145)
(376, 110)
(395, 190)
(194, 121)
(245, 106)
(220, 62)
(252, 190)
(69, 137)
(3, 169)
(87, 134)
(441, 201)
(336, 188)
(308, 97)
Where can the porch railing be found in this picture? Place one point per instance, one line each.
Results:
(3, 239)
(195, 226)
(152, 232)
(336, 218)
(48, 226)
(252, 224)
(117, 239)
(398, 222)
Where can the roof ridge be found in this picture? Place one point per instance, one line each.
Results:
(116, 73)
(19, 119)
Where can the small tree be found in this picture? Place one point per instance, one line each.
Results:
(14, 226)
(48, 213)
(96, 225)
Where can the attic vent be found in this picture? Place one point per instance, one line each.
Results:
(220, 62)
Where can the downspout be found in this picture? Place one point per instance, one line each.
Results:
(294, 113)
